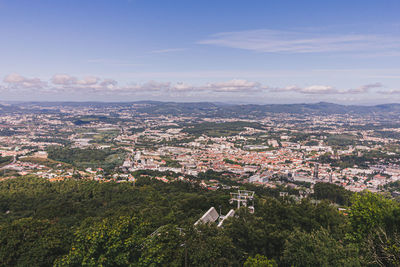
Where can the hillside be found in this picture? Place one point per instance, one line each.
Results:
(208, 109)
(150, 223)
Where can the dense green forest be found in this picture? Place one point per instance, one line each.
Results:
(83, 120)
(107, 159)
(364, 160)
(171, 163)
(214, 129)
(150, 223)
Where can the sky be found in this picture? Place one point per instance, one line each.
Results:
(235, 51)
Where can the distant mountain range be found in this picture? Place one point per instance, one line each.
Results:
(208, 109)
(253, 110)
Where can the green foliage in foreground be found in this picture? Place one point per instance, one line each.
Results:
(113, 241)
(302, 248)
(87, 223)
(259, 261)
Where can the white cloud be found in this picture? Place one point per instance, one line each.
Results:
(95, 85)
(109, 84)
(182, 87)
(232, 86)
(273, 41)
(62, 82)
(148, 86)
(391, 92)
(318, 89)
(314, 89)
(63, 79)
(365, 88)
(88, 80)
(235, 85)
(16, 81)
(325, 89)
(14, 78)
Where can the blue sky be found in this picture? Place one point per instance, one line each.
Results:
(231, 51)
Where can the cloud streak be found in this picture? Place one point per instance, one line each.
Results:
(168, 50)
(391, 92)
(273, 41)
(326, 90)
(235, 85)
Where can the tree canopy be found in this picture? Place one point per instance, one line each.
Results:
(150, 223)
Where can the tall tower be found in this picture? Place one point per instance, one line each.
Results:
(316, 170)
(242, 197)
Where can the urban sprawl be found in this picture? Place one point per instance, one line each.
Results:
(108, 142)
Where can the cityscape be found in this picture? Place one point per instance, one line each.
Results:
(147, 133)
(356, 151)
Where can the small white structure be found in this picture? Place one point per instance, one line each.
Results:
(210, 216)
(231, 213)
(242, 196)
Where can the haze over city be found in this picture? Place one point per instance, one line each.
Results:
(343, 52)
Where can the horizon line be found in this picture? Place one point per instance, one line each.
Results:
(194, 102)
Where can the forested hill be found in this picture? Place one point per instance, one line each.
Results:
(218, 109)
(150, 223)
(207, 109)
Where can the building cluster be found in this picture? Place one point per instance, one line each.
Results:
(353, 151)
